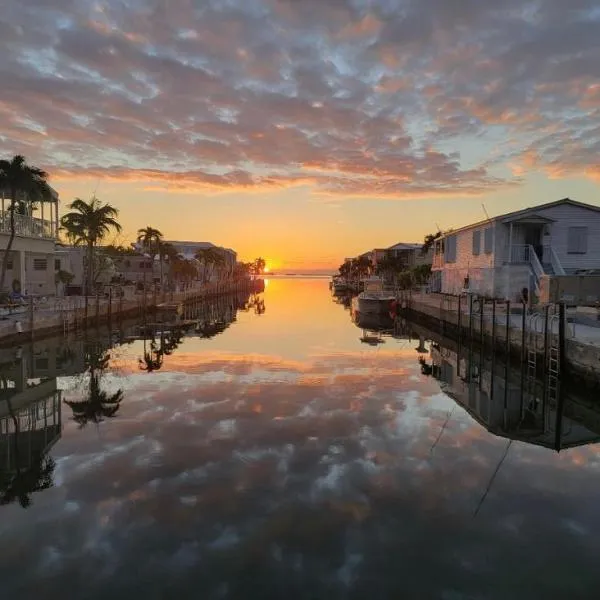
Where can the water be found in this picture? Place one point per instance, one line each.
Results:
(287, 453)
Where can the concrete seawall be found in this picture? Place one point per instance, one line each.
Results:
(517, 335)
(68, 314)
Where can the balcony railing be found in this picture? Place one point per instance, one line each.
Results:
(28, 226)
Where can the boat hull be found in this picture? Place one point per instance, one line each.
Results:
(373, 306)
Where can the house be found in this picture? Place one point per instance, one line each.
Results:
(136, 268)
(410, 254)
(189, 249)
(31, 268)
(503, 256)
(72, 260)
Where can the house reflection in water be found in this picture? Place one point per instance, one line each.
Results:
(30, 424)
(509, 406)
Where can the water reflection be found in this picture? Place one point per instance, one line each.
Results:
(30, 424)
(508, 404)
(286, 458)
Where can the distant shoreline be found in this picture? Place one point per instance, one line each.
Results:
(297, 275)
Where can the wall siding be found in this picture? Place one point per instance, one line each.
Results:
(566, 216)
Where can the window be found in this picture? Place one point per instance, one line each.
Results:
(9, 264)
(488, 240)
(57, 264)
(40, 264)
(476, 242)
(450, 251)
(577, 241)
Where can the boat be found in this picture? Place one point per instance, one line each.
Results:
(374, 299)
(339, 285)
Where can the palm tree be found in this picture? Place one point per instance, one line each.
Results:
(23, 183)
(259, 265)
(169, 253)
(429, 241)
(151, 241)
(98, 405)
(88, 224)
(210, 258)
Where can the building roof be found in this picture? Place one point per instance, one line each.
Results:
(405, 246)
(518, 214)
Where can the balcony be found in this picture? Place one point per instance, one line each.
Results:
(438, 261)
(28, 226)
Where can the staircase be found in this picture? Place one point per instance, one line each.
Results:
(548, 268)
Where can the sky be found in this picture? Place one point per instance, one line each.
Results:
(304, 131)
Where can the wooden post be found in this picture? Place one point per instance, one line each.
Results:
(459, 319)
(481, 324)
(523, 333)
(562, 342)
(507, 341)
(493, 325)
(471, 317)
(545, 363)
(31, 315)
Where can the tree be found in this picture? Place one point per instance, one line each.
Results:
(421, 274)
(25, 184)
(390, 267)
(98, 404)
(169, 254)
(151, 241)
(210, 259)
(429, 241)
(257, 267)
(88, 224)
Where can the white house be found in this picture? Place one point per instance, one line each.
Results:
(501, 256)
(31, 267)
(188, 250)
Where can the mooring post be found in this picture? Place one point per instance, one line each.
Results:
(545, 363)
(562, 342)
(459, 319)
(493, 324)
(31, 315)
(507, 341)
(110, 304)
(471, 317)
(523, 333)
(481, 323)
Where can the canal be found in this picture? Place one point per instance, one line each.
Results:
(272, 447)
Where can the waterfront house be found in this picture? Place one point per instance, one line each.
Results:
(31, 267)
(502, 256)
(189, 249)
(409, 254)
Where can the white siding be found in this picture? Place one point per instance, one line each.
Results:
(565, 216)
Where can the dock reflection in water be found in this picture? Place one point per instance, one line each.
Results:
(286, 457)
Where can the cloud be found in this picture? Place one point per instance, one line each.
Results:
(348, 98)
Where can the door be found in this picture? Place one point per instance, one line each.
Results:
(533, 237)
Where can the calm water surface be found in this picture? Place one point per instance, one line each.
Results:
(282, 456)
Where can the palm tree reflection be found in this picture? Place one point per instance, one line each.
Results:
(98, 404)
(153, 357)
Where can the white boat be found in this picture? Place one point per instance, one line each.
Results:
(374, 299)
(339, 285)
